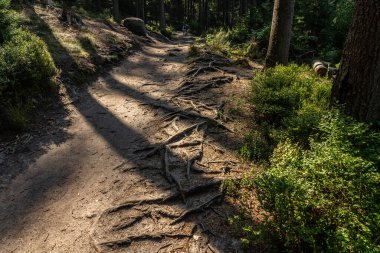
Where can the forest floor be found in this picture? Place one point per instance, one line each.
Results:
(134, 162)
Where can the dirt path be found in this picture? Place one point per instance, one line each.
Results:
(128, 177)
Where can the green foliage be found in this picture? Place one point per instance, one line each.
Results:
(255, 147)
(325, 198)
(155, 27)
(7, 20)
(292, 99)
(218, 41)
(167, 32)
(193, 50)
(233, 42)
(88, 44)
(26, 71)
(240, 32)
(320, 192)
(319, 30)
(320, 27)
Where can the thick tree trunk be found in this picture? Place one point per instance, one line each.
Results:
(279, 43)
(162, 14)
(116, 11)
(357, 85)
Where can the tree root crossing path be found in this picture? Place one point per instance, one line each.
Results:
(146, 152)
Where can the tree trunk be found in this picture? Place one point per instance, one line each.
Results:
(279, 43)
(162, 14)
(357, 85)
(116, 11)
(143, 10)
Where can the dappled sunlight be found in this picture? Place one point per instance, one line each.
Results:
(125, 156)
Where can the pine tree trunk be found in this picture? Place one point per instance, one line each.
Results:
(357, 85)
(279, 43)
(143, 10)
(116, 11)
(162, 14)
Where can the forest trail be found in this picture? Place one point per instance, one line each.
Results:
(145, 154)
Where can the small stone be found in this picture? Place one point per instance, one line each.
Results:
(90, 215)
(196, 237)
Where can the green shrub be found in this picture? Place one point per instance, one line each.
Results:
(167, 32)
(218, 41)
(240, 32)
(325, 198)
(255, 147)
(26, 71)
(193, 51)
(291, 98)
(7, 20)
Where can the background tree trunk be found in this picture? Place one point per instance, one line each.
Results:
(357, 84)
(162, 14)
(279, 43)
(116, 11)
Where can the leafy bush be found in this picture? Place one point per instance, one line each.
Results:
(255, 147)
(7, 20)
(240, 32)
(167, 32)
(228, 43)
(26, 70)
(218, 41)
(325, 198)
(291, 98)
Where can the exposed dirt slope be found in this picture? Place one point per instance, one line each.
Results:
(139, 161)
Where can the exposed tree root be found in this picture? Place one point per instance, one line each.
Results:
(162, 199)
(215, 147)
(192, 114)
(130, 222)
(196, 71)
(199, 85)
(217, 60)
(196, 209)
(170, 176)
(223, 161)
(197, 104)
(200, 171)
(190, 163)
(185, 144)
(154, 237)
(155, 148)
(180, 134)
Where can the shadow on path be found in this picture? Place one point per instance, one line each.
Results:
(124, 139)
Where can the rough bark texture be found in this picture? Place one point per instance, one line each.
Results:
(357, 85)
(116, 11)
(279, 43)
(162, 14)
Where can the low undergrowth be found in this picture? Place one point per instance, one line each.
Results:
(168, 32)
(320, 189)
(27, 71)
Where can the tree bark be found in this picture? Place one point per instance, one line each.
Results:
(116, 10)
(162, 14)
(143, 10)
(357, 85)
(279, 43)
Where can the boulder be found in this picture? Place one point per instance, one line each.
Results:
(135, 25)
